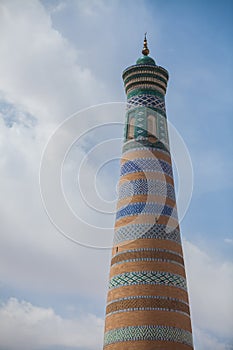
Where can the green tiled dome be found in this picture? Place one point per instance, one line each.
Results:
(146, 60)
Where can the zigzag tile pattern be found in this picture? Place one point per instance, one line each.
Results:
(146, 231)
(145, 187)
(144, 208)
(135, 333)
(146, 165)
(150, 101)
(147, 277)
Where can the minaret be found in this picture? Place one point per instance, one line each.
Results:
(147, 304)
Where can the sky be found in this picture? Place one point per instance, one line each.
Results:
(61, 127)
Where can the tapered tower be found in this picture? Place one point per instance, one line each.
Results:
(147, 304)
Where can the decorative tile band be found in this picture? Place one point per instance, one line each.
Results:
(146, 165)
(147, 297)
(139, 146)
(153, 333)
(144, 186)
(145, 91)
(147, 79)
(146, 85)
(140, 69)
(147, 277)
(145, 75)
(147, 101)
(146, 231)
(147, 255)
(145, 143)
(159, 260)
(147, 304)
(148, 250)
(146, 208)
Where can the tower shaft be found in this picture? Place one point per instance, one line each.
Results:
(147, 304)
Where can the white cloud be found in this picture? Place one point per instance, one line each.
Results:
(40, 75)
(92, 7)
(33, 254)
(39, 68)
(25, 326)
(207, 341)
(210, 289)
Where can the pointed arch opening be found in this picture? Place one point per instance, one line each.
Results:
(151, 125)
(131, 128)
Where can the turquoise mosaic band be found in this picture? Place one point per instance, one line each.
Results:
(146, 231)
(137, 92)
(153, 333)
(146, 123)
(148, 277)
(140, 144)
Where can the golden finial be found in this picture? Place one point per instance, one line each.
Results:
(145, 50)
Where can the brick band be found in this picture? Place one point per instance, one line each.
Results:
(140, 151)
(146, 175)
(148, 243)
(147, 219)
(147, 345)
(155, 254)
(147, 303)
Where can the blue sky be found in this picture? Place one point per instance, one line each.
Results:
(58, 57)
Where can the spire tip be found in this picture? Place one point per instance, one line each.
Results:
(145, 50)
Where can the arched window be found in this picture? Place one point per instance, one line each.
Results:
(131, 128)
(151, 125)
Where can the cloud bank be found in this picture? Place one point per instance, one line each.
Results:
(25, 326)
